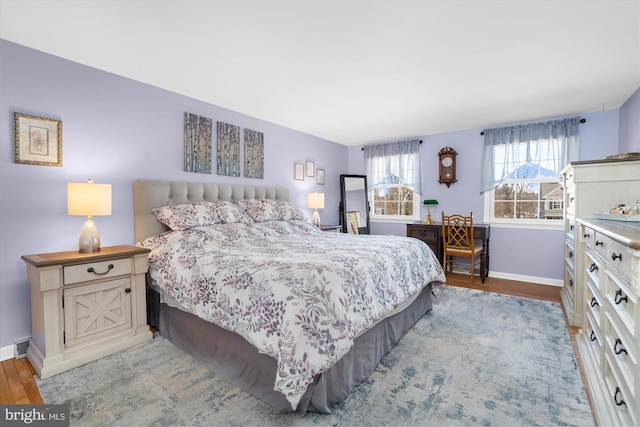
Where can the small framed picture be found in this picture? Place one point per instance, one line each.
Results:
(311, 169)
(320, 176)
(38, 140)
(298, 171)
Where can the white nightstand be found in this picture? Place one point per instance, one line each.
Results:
(85, 306)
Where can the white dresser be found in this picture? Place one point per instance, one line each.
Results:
(591, 187)
(609, 340)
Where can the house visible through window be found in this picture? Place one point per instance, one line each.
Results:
(531, 192)
(393, 179)
(521, 169)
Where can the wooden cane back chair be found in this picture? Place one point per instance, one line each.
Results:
(458, 241)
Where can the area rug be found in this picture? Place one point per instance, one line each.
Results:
(477, 359)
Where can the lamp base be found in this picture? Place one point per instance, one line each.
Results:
(428, 219)
(89, 240)
(315, 220)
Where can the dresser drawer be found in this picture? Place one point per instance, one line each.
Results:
(619, 393)
(569, 254)
(619, 257)
(593, 265)
(623, 301)
(623, 351)
(594, 304)
(588, 236)
(96, 270)
(595, 338)
(424, 234)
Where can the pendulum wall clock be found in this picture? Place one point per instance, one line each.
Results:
(447, 165)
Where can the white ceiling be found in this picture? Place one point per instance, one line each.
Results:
(355, 71)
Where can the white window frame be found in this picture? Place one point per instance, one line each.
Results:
(530, 224)
(395, 218)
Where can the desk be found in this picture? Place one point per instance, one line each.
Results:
(431, 234)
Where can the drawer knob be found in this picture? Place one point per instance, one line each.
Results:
(617, 350)
(615, 398)
(570, 254)
(599, 243)
(571, 227)
(127, 290)
(594, 302)
(585, 235)
(619, 298)
(570, 282)
(615, 257)
(593, 267)
(593, 336)
(92, 270)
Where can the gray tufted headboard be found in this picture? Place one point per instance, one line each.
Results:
(149, 194)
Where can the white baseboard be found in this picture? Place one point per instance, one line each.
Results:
(6, 353)
(531, 279)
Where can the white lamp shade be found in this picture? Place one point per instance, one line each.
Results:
(88, 199)
(315, 201)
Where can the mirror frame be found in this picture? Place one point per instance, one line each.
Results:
(363, 229)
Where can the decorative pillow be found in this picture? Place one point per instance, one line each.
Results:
(261, 210)
(189, 215)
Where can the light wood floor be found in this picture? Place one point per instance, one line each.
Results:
(17, 385)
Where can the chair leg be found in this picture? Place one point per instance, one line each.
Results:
(473, 267)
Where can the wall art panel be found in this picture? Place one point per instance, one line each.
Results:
(228, 149)
(253, 154)
(197, 143)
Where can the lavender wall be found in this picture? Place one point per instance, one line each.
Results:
(114, 130)
(630, 124)
(542, 249)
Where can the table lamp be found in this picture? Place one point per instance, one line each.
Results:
(315, 201)
(88, 199)
(427, 203)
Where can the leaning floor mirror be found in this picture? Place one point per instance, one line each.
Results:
(354, 204)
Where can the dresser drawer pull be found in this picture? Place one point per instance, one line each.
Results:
(621, 350)
(585, 235)
(594, 302)
(593, 336)
(615, 398)
(622, 298)
(599, 243)
(593, 267)
(570, 254)
(614, 256)
(92, 270)
(127, 290)
(570, 282)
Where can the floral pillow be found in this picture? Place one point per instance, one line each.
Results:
(189, 215)
(260, 210)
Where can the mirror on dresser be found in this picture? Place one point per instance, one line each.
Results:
(354, 204)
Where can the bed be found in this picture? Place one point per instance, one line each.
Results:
(242, 281)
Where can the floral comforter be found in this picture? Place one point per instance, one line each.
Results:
(297, 294)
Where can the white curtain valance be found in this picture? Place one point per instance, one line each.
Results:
(400, 159)
(551, 145)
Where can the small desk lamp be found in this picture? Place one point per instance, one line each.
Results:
(315, 201)
(88, 199)
(427, 203)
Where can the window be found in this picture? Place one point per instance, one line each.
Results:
(393, 176)
(521, 168)
(530, 193)
(393, 200)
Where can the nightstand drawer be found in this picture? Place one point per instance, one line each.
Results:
(96, 270)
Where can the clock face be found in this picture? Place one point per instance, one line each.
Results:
(447, 162)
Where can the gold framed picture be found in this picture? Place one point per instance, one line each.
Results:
(38, 140)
